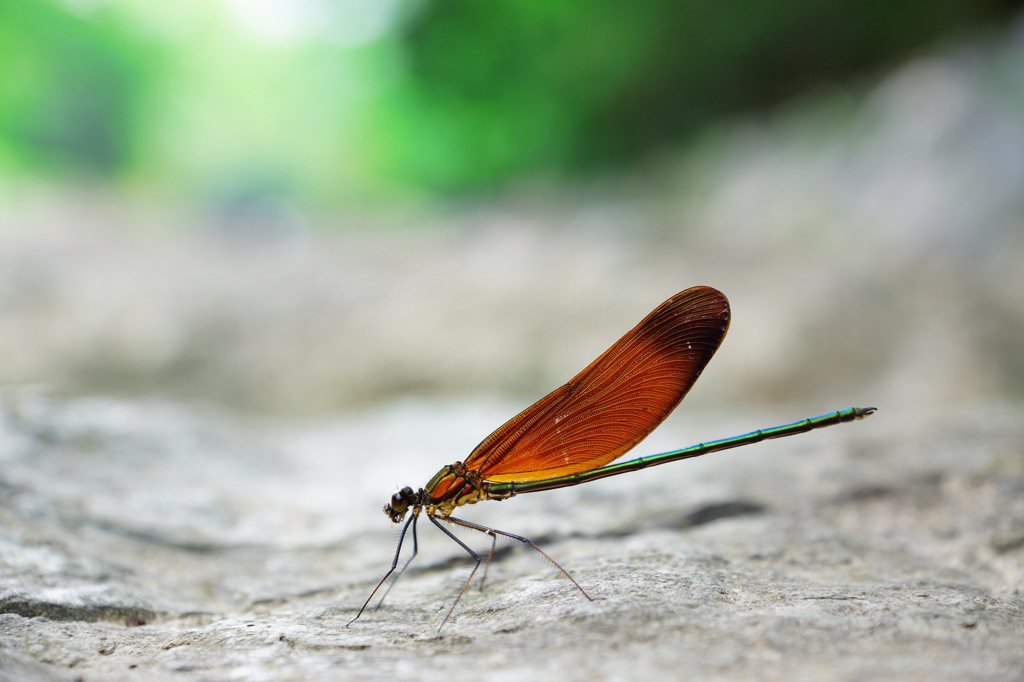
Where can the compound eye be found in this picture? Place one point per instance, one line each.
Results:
(401, 499)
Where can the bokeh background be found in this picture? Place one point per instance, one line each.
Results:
(306, 207)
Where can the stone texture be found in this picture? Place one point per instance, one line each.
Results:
(155, 541)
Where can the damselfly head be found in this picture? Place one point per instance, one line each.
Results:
(400, 503)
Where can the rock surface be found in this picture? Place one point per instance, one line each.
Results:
(870, 245)
(163, 542)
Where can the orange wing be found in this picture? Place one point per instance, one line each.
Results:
(614, 403)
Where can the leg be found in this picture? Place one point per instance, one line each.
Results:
(394, 563)
(476, 558)
(490, 556)
(415, 551)
(493, 532)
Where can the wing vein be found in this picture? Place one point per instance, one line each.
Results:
(616, 401)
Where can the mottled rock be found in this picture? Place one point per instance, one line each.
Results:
(158, 541)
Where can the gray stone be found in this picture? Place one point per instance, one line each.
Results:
(155, 541)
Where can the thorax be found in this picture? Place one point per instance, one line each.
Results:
(451, 487)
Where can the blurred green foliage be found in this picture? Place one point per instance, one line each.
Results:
(506, 87)
(443, 96)
(70, 90)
